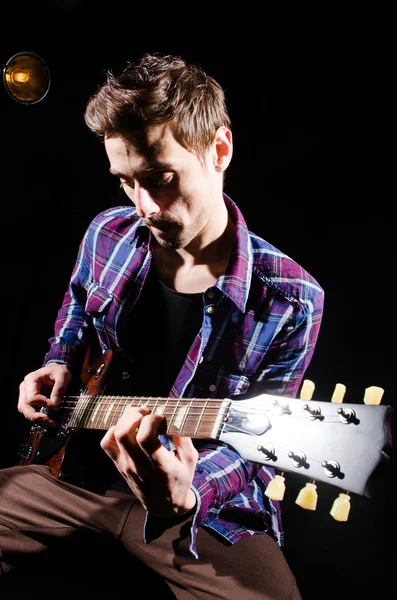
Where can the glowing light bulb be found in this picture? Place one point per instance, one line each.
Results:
(20, 76)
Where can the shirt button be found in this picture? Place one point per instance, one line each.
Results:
(212, 387)
(211, 294)
(125, 375)
(211, 310)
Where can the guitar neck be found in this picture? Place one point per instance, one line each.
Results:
(341, 445)
(191, 417)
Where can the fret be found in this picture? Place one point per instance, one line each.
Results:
(159, 405)
(108, 413)
(178, 418)
(74, 418)
(188, 410)
(117, 411)
(199, 420)
(95, 413)
(97, 409)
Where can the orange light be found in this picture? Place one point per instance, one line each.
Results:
(26, 78)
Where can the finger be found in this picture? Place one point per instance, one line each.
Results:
(32, 388)
(121, 438)
(58, 393)
(185, 450)
(109, 444)
(30, 407)
(127, 426)
(148, 432)
(121, 459)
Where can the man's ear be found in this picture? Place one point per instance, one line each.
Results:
(223, 148)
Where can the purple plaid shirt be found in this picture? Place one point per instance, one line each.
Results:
(260, 325)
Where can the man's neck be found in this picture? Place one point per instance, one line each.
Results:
(195, 269)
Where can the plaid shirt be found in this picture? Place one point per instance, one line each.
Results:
(261, 320)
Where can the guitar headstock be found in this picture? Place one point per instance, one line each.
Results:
(344, 445)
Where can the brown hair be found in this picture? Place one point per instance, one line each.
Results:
(158, 89)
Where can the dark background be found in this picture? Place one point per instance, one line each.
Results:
(311, 93)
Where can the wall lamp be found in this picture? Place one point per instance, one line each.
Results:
(26, 78)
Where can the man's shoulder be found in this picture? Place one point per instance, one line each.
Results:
(117, 220)
(281, 272)
(114, 226)
(125, 214)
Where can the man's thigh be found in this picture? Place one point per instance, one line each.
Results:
(254, 568)
(39, 514)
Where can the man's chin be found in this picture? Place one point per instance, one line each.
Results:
(166, 242)
(167, 237)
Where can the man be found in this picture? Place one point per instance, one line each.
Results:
(201, 308)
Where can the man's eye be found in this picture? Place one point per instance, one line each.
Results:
(157, 180)
(127, 184)
(161, 179)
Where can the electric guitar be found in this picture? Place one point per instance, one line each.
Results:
(345, 445)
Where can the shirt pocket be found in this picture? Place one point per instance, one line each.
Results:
(219, 384)
(98, 300)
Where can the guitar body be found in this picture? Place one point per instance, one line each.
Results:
(67, 451)
(44, 446)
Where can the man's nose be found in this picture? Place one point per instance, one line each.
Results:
(146, 206)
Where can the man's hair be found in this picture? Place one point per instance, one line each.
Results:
(159, 89)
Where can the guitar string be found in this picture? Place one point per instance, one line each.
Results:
(96, 417)
(83, 408)
(76, 402)
(94, 414)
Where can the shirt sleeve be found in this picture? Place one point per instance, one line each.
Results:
(72, 319)
(284, 366)
(220, 475)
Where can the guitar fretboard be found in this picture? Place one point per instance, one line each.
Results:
(198, 418)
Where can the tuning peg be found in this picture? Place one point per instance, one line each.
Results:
(339, 393)
(373, 395)
(341, 507)
(307, 497)
(307, 390)
(276, 488)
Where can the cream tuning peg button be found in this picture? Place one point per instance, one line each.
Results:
(339, 393)
(307, 497)
(307, 390)
(341, 507)
(373, 395)
(276, 488)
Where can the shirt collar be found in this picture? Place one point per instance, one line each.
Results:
(236, 280)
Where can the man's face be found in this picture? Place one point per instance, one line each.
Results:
(173, 191)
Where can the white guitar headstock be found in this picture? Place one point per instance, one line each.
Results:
(341, 444)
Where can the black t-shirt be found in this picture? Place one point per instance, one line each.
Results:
(162, 327)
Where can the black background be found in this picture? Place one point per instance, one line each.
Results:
(311, 93)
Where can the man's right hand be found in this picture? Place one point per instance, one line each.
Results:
(52, 380)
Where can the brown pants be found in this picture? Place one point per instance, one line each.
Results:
(52, 532)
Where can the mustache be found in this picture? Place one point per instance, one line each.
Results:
(158, 222)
